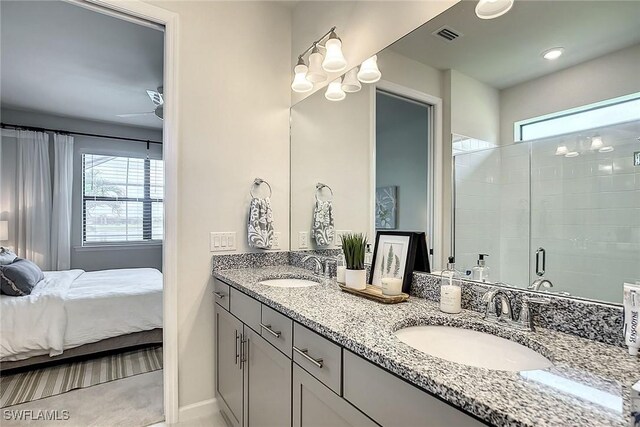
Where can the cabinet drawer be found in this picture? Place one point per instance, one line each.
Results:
(318, 356)
(221, 293)
(277, 329)
(366, 385)
(246, 309)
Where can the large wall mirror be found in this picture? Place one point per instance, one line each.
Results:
(516, 137)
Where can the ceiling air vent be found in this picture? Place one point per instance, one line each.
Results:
(447, 34)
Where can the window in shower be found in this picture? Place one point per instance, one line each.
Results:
(613, 111)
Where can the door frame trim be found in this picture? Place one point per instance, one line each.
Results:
(139, 10)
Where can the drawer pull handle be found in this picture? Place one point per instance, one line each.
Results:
(219, 295)
(305, 353)
(271, 331)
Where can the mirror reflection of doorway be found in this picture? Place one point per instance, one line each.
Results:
(403, 158)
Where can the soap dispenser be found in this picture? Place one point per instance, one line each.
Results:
(450, 290)
(480, 272)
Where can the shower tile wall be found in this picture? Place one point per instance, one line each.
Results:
(586, 211)
(492, 211)
(477, 213)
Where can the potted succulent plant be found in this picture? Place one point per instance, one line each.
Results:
(354, 248)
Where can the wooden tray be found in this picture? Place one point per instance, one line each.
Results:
(375, 293)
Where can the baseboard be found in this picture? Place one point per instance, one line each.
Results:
(204, 409)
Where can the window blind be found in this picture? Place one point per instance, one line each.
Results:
(122, 199)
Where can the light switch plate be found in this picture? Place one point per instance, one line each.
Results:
(222, 241)
(303, 240)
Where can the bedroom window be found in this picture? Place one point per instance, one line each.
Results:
(122, 200)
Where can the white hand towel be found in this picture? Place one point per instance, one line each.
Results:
(260, 227)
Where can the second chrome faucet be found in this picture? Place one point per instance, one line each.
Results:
(499, 309)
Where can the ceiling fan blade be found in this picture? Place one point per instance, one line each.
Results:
(135, 114)
(156, 97)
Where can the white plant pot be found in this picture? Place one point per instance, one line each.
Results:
(356, 279)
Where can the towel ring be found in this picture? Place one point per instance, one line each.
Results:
(319, 187)
(256, 183)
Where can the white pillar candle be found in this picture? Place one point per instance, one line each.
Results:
(391, 286)
(451, 299)
(340, 273)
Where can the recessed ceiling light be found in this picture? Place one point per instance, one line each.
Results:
(606, 149)
(572, 154)
(553, 53)
(489, 9)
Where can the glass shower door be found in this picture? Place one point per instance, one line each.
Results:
(585, 211)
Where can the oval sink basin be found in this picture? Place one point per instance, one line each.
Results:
(472, 348)
(289, 283)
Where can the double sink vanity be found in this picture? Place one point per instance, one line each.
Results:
(294, 350)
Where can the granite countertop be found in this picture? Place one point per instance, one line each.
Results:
(589, 384)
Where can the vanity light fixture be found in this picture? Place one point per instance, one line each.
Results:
(332, 61)
(300, 82)
(369, 72)
(596, 143)
(316, 74)
(553, 53)
(334, 91)
(606, 149)
(490, 9)
(350, 83)
(561, 150)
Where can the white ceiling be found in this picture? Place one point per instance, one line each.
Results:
(67, 60)
(505, 51)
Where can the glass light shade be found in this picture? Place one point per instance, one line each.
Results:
(490, 9)
(369, 72)
(561, 150)
(596, 143)
(334, 91)
(300, 82)
(351, 83)
(334, 60)
(4, 230)
(316, 74)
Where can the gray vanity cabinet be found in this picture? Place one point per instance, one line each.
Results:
(267, 383)
(229, 378)
(315, 405)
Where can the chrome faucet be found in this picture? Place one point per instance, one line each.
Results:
(491, 309)
(320, 268)
(505, 316)
(525, 321)
(540, 283)
(317, 264)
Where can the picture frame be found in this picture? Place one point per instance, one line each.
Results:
(399, 253)
(387, 207)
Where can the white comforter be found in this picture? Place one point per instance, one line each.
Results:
(71, 308)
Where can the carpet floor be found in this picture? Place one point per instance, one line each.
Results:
(130, 402)
(51, 381)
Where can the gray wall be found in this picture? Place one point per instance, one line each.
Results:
(401, 157)
(91, 259)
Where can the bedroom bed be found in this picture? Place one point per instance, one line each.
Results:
(76, 313)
